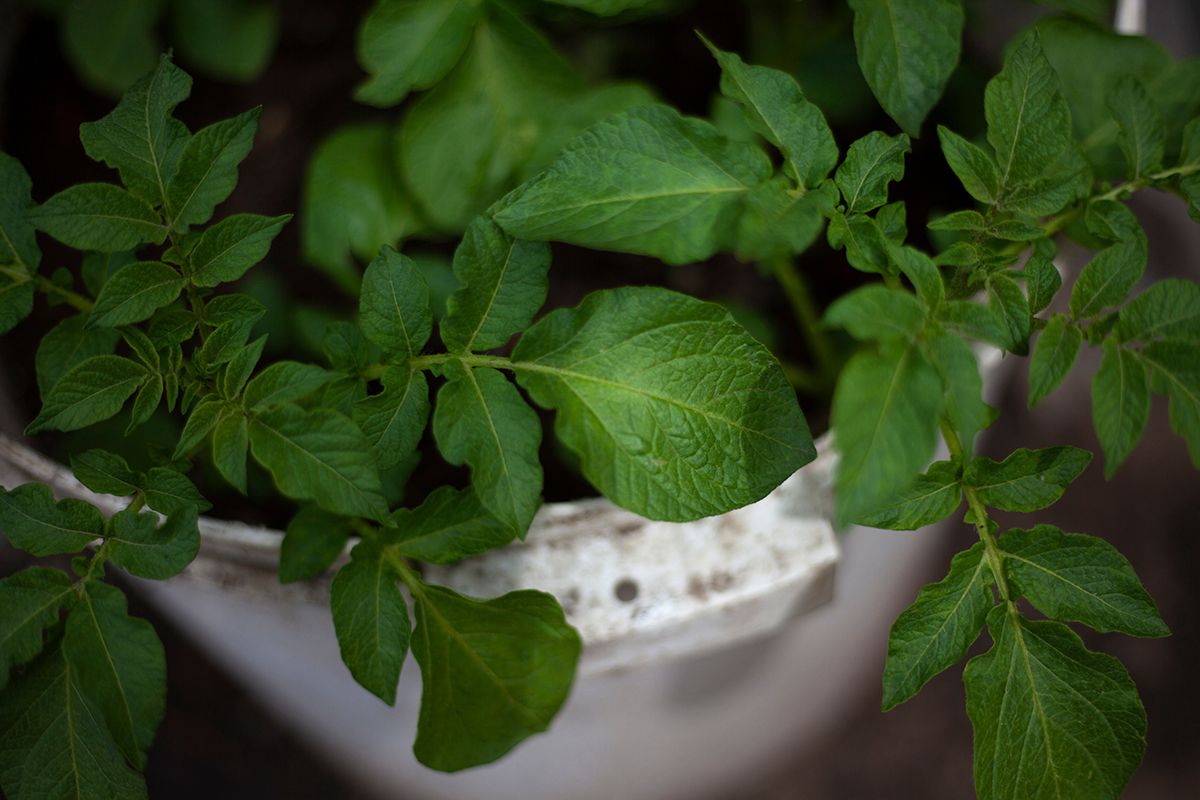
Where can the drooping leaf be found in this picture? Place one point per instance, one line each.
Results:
(134, 293)
(313, 541)
(412, 44)
(1027, 480)
(502, 285)
(1052, 720)
(394, 419)
(494, 672)
(674, 410)
(482, 420)
(972, 164)
(225, 251)
(371, 620)
(30, 602)
(935, 632)
(645, 181)
(207, 169)
(962, 385)
(449, 526)
(933, 496)
(775, 107)
(1070, 576)
(393, 308)
(1053, 356)
(907, 50)
(89, 392)
(140, 546)
(1175, 370)
(877, 312)
(98, 216)
(884, 417)
(321, 456)
(871, 164)
(1142, 135)
(1120, 404)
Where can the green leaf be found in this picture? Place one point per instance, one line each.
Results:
(30, 602)
(449, 526)
(1008, 303)
(111, 43)
(494, 672)
(1108, 277)
(907, 50)
(120, 666)
(98, 216)
(55, 742)
(962, 385)
(354, 202)
(200, 423)
(207, 169)
(139, 138)
(482, 420)
(321, 456)
(1120, 404)
(394, 419)
(170, 492)
(16, 300)
(972, 164)
(935, 632)
(346, 348)
(141, 547)
(1175, 369)
(230, 440)
(19, 253)
(884, 417)
(775, 107)
(675, 411)
(371, 620)
(239, 368)
(231, 40)
(313, 541)
(134, 293)
(67, 345)
(143, 348)
(1053, 356)
(1142, 135)
(89, 392)
(1052, 720)
(1027, 480)
(983, 322)
(1070, 576)
(225, 251)
(1169, 309)
(779, 221)
(502, 285)
(105, 473)
(412, 44)
(922, 273)
(644, 181)
(933, 496)
(393, 308)
(1042, 281)
(864, 241)
(284, 382)
(604, 7)
(871, 163)
(877, 312)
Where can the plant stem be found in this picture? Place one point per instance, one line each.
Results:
(73, 299)
(800, 299)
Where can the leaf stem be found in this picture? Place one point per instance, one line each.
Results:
(73, 299)
(800, 299)
(979, 513)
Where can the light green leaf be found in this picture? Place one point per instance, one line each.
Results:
(313, 541)
(1142, 135)
(780, 221)
(775, 108)
(482, 420)
(321, 456)
(1070, 576)
(1052, 720)
(1027, 480)
(1120, 404)
(449, 526)
(877, 312)
(207, 169)
(933, 496)
(935, 632)
(976, 321)
(284, 382)
(675, 411)
(922, 272)
(231, 40)
(393, 308)
(502, 285)
(54, 739)
(956, 364)
(30, 602)
(371, 620)
(120, 665)
(884, 417)
(972, 164)
(134, 293)
(225, 251)
(1053, 356)
(412, 44)
(394, 419)
(1175, 370)
(1169, 309)
(139, 138)
(89, 392)
(98, 216)
(230, 440)
(644, 181)
(865, 243)
(141, 547)
(494, 672)
(111, 43)
(871, 164)
(907, 50)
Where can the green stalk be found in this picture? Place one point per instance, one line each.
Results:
(805, 311)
